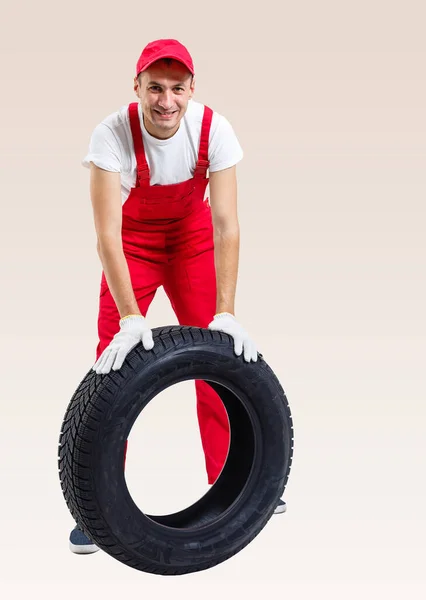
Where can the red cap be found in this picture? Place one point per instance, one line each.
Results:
(164, 49)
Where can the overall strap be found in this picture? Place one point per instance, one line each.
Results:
(203, 151)
(141, 164)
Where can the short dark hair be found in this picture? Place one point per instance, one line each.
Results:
(168, 62)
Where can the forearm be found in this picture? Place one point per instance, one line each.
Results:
(226, 251)
(114, 263)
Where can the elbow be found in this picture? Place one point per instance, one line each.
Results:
(226, 227)
(108, 243)
(229, 231)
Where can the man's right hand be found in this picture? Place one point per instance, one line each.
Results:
(133, 329)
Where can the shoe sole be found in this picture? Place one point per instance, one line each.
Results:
(86, 549)
(280, 509)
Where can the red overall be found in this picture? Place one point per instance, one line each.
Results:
(167, 238)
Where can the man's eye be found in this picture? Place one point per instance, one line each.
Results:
(155, 88)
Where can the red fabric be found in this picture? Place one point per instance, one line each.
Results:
(165, 48)
(167, 238)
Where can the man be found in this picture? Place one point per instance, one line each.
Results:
(148, 165)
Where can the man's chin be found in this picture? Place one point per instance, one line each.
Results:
(163, 125)
(167, 125)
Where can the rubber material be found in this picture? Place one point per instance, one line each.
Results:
(235, 509)
(84, 549)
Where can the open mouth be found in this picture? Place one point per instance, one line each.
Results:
(165, 116)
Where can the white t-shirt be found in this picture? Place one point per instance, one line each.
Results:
(170, 161)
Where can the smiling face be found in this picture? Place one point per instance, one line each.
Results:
(164, 90)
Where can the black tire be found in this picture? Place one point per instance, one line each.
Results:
(236, 508)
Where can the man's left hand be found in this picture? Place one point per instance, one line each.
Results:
(227, 323)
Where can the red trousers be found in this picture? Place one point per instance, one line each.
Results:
(183, 263)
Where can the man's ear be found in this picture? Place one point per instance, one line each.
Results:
(192, 88)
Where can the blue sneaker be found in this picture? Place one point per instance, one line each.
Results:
(281, 507)
(80, 543)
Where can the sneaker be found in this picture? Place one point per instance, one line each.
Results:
(281, 507)
(79, 542)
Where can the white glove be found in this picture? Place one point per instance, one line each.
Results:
(228, 324)
(133, 329)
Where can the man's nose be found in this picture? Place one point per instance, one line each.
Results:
(166, 99)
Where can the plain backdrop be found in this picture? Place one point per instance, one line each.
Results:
(328, 102)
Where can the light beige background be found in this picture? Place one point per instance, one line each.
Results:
(328, 101)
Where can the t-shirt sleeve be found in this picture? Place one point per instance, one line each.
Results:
(224, 148)
(104, 150)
